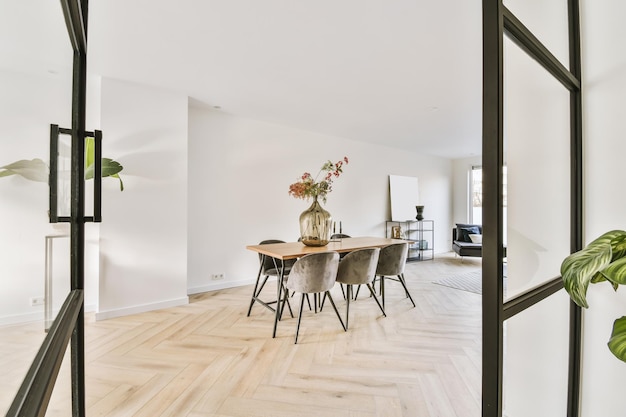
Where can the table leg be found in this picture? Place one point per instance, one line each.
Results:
(279, 292)
(254, 292)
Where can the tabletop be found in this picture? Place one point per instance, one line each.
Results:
(293, 250)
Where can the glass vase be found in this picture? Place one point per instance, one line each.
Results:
(315, 225)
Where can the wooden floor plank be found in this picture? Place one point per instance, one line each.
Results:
(209, 359)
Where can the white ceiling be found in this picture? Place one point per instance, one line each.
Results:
(403, 73)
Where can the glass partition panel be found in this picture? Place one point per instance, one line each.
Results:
(57, 277)
(535, 366)
(60, 404)
(36, 85)
(547, 20)
(537, 157)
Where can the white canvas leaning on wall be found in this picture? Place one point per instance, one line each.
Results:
(404, 197)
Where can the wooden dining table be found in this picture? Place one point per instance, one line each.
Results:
(294, 250)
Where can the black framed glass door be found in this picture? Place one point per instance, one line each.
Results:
(531, 131)
(43, 83)
(36, 78)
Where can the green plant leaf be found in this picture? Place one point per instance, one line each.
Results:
(110, 168)
(119, 178)
(616, 272)
(618, 244)
(617, 342)
(34, 170)
(617, 240)
(579, 268)
(90, 152)
(598, 277)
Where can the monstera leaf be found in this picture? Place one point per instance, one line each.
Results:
(34, 170)
(604, 259)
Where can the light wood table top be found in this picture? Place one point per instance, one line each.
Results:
(293, 250)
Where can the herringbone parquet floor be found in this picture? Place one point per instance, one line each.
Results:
(209, 359)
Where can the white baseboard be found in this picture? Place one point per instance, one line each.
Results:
(22, 319)
(103, 315)
(33, 317)
(127, 311)
(219, 285)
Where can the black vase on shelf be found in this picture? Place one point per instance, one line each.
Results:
(420, 213)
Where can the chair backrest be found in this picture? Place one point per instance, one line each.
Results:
(358, 267)
(314, 273)
(340, 236)
(392, 259)
(267, 262)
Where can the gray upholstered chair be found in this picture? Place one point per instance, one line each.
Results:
(391, 264)
(314, 273)
(359, 268)
(269, 267)
(340, 236)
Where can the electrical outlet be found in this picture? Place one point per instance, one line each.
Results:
(216, 277)
(37, 301)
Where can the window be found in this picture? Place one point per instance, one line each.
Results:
(476, 195)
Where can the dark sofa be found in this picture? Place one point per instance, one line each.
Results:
(462, 242)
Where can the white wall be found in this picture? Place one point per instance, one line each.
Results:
(604, 77)
(143, 235)
(147, 261)
(29, 103)
(239, 175)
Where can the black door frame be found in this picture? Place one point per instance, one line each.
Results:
(76, 13)
(34, 394)
(498, 21)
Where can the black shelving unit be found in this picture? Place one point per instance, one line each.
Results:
(421, 233)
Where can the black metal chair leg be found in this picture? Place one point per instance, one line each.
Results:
(380, 285)
(357, 291)
(349, 296)
(382, 289)
(299, 318)
(336, 311)
(406, 289)
(401, 279)
(376, 298)
(289, 304)
(282, 307)
(322, 302)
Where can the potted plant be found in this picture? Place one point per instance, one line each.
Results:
(604, 259)
(316, 222)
